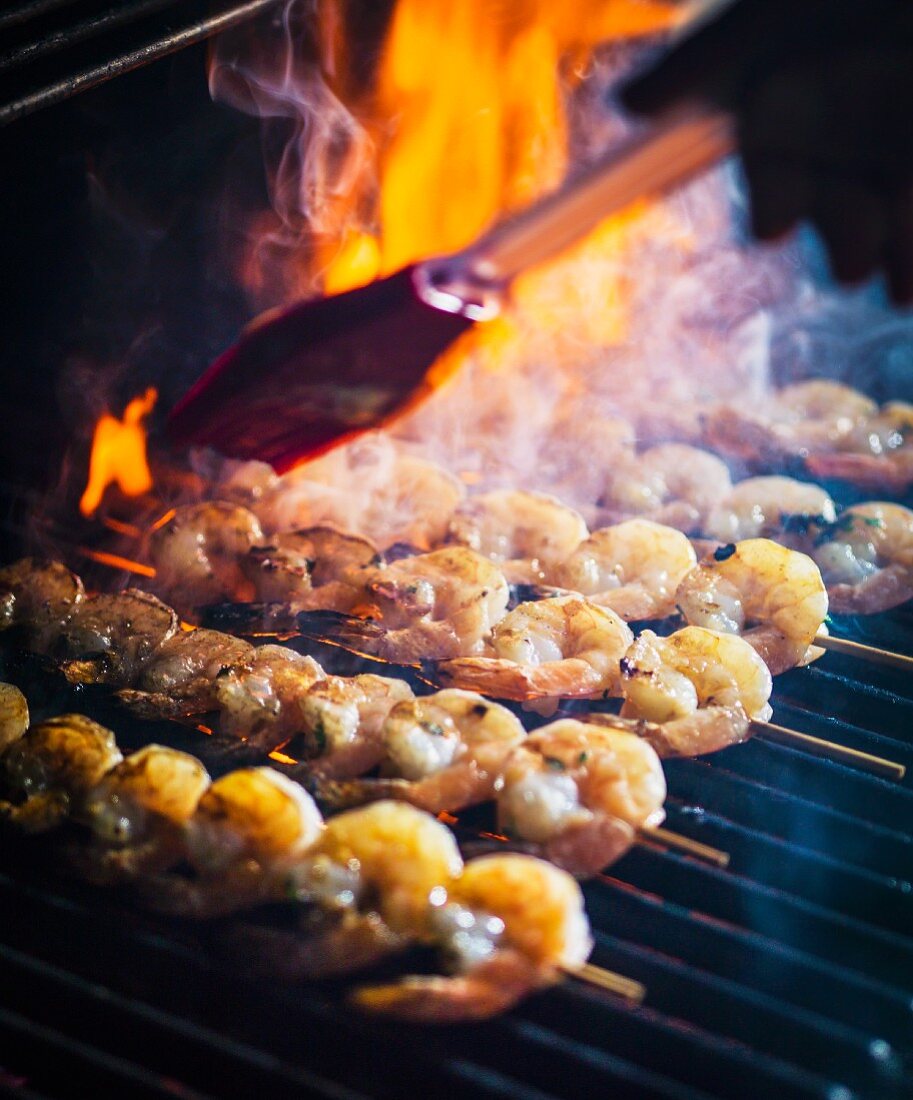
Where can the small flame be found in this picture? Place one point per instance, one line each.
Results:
(119, 454)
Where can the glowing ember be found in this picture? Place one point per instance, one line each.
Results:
(119, 454)
(281, 757)
(118, 562)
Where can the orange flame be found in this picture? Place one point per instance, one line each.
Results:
(474, 92)
(119, 454)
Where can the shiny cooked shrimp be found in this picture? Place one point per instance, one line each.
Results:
(866, 558)
(876, 455)
(38, 597)
(671, 483)
(14, 715)
(767, 507)
(774, 597)
(137, 813)
(431, 606)
(577, 792)
(319, 567)
(46, 773)
(559, 647)
(247, 830)
(108, 639)
(260, 701)
(440, 752)
(182, 676)
(632, 568)
(801, 419)
(702, 688)
(526, 533)
(370, 882)
(342, 720)
(367, 888)
(198, 554)
(511, 924)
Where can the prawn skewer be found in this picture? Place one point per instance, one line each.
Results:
(632, 568)
(575, 793)
(441, 752)
(773, 597)
(546, 650)
(866, 557)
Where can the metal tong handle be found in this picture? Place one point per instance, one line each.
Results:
(646, 164)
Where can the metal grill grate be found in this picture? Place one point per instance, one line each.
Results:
(52, 49)
(789, 974)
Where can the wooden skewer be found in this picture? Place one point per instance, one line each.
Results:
(865, 652)
(817, 746)
(667, 839)
(608, 980)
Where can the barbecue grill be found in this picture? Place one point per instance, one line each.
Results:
(788, 973)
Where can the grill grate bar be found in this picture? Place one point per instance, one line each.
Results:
(728, 1008)
(703, 1061)
(855, 737)
(855, 891)
(26, 12)
(56, 1061)
(67, 36)
(38, 987)
(727, 896)
(879, 801)
(123, 60)
(752, 959)
(763, 808)
(826, 693)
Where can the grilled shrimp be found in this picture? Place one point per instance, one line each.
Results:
(247, 830)
(371, 881)
(701, 687)
(14, 715)
(632, 568)
(137, 812)
(38, 597)
(774, 597)
(807, 417)
(867, 558)
(440, 752)
(319, 567)
(768, 506)
(198, 554)
(577, 792)
(46, 773)
(431, 606)
(108, 639)
(564, 646)
(182, 676)
(371, 486)
(672, 483)
(512, 924)
(260, 701)
(525, 533)
(342, 719)
(876, 455)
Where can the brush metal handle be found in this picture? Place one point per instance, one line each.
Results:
(647, 164)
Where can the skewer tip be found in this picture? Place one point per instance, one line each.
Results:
(626, 988)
